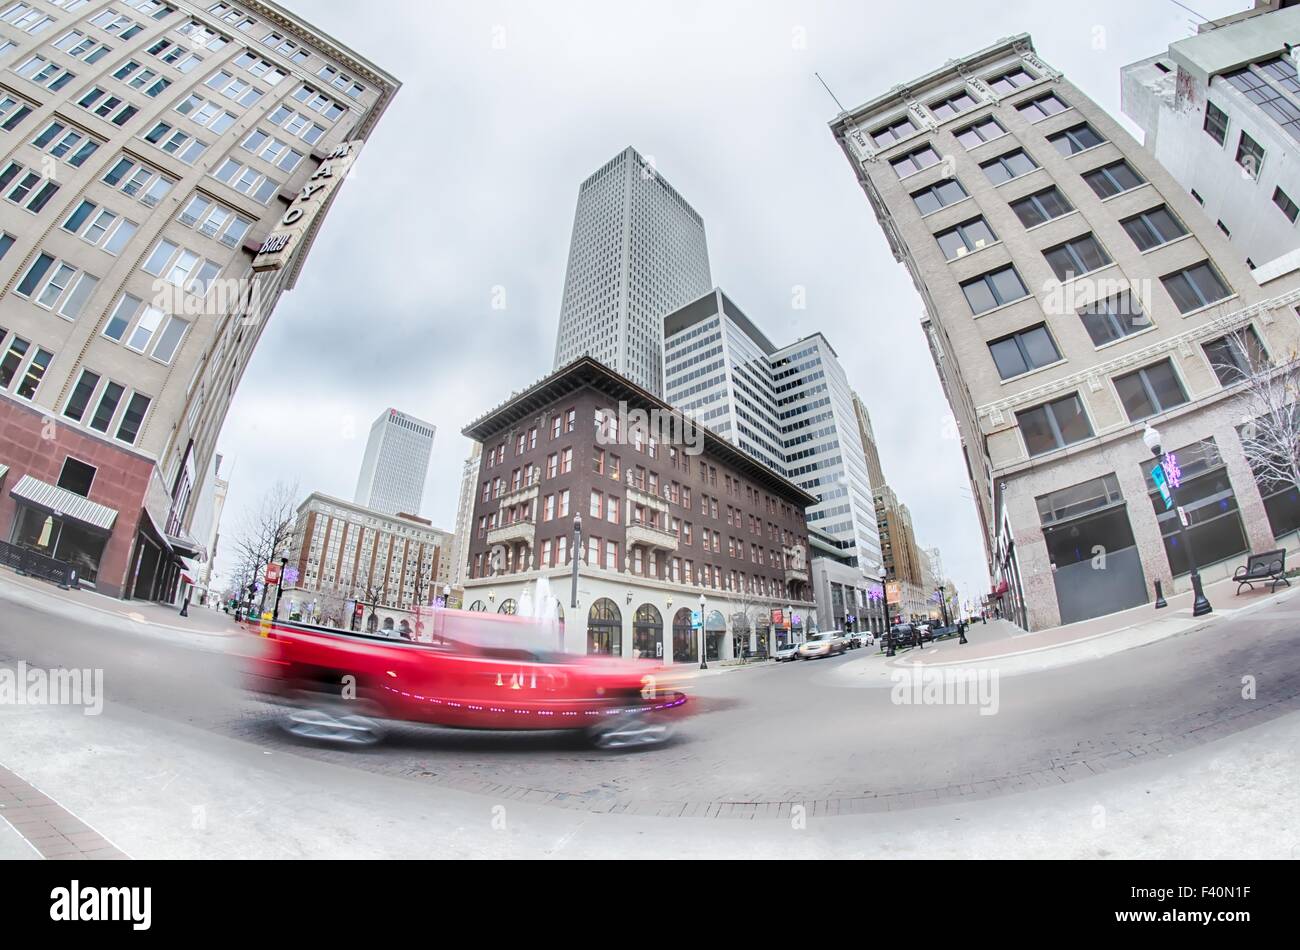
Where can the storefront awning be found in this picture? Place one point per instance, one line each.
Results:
(186, 547)
(66, 504)
(4, 470)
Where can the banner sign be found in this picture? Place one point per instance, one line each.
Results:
(279, 246)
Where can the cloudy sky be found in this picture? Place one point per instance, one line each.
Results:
(467, 190)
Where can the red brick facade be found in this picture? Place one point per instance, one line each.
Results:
(121, 480)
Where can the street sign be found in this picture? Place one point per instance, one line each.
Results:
(272, 574)
(1182, 516)
(1162, 482)
(439, 602)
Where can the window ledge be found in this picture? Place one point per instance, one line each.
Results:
(1125, 339)
(1121, 194)
(1022, 175)
(969, 254)
(1177, 240)
(1086, 274)
(1209, 306)
(1083, 151)
(1034, 372)
(1060, 217)
(929, 214)
(1009, 303)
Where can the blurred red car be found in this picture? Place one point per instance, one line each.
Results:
(463, 670)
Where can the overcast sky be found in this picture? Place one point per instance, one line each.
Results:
(470, 181)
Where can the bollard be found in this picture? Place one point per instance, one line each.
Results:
(1161, 603)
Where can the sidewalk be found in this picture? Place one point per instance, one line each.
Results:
(88, 606)
(1002, 646)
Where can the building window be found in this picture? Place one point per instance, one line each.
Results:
(1024, 351)
(77, 477)
(916, 161)
(1216, 123)
(1042, 107)
(1196, 287)
(1009, 82)
(1286, 204)
(969, 236)
(1054, 425)
(951, 106)
(32, 190)
(994, 289)
(977, 133)
(1008, 166)
(1250, 155)
(1210, 503)
(1078, 139)
(79, 401)
(1082, 255)
(12, 112)
(894, 132)
(939, 195)
(1152, 228)
(1150, 391)
(1114, 318)
(1041, 207)
(1237, 356)
(1113, 179)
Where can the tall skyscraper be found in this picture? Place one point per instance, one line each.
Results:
(638, 252)
(1074, 293)
(1221, 111)
(152, 156)
(790, 408)
(395, 464)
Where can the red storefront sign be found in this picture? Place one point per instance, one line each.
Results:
(272, 574)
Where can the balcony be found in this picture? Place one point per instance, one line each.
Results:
(515, 496)
(525, 531)
(796, 575)
(639, 496)
(650, 537)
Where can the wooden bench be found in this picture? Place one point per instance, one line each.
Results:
(1261, 569)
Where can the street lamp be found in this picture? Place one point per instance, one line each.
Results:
(943, 605)
(704, 663)
(1202, 605)
(790, 614)
(577, 547)
(446, 595)
(884, 604)
(279, 588)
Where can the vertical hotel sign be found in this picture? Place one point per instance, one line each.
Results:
(279, 246)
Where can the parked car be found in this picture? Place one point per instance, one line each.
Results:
(902, 634)
(822, 644)
(787, 653)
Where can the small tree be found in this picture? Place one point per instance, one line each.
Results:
(1270, 405)
(265, 530)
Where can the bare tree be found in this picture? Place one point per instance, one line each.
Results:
(1270, 406)
(265, 531)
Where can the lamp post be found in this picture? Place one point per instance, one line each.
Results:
(943, 605)
(704, 663)
(884, 603)
(790, 608)
(1202, 604)
(577, 547)
(446, 596)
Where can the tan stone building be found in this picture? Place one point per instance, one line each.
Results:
(165, 171)
(343, 553)
(1073, 293)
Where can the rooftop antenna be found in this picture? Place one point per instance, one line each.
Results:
(843, 110)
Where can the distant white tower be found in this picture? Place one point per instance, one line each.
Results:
(395, 464)
(638, 253)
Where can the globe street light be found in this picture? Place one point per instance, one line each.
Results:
(1202, 604)
(704, 665)
(884, 603)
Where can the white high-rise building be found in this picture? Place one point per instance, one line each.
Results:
(790, 408)
(1221, 111)
(464, 512)
(395, 464)
(638, 253)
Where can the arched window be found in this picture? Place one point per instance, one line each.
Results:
(508, 607)
(478, 607)
(685, 637)
(648, 632)
(715, 629)
(604, 629)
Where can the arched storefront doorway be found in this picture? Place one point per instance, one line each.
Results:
(648, 633)
(685, 639)
(715, 630)
(509, 607)
(604, 629)
(478, 607)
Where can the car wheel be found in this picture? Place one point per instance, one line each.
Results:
(630, 731)
(334, 721)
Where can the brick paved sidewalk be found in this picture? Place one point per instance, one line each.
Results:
(54, 832)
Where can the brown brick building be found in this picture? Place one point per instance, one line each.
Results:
(666, 515)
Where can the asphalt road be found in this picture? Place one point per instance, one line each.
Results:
(808, 732)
